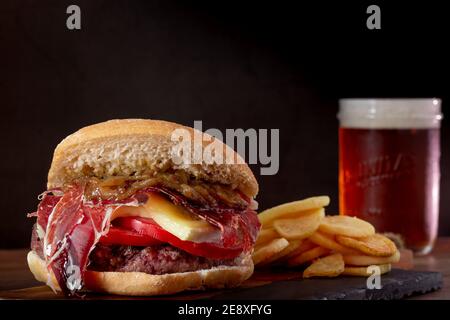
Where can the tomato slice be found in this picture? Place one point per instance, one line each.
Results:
(149, 228)
(121, 236)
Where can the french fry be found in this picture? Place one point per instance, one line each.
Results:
(280, 255)
(327, 241)
(266, 235)
(288, 209)
(307, 256)
(329, 266)
(268, 250)
(365, 271)
(374, 245)
(364, 260)
(300, 227)
(346, 226)
(303, 247)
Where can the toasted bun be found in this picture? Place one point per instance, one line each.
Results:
(137, 146)
(143, 284)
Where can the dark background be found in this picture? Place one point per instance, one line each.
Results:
(258, 65)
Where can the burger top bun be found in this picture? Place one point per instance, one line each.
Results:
(128, 147)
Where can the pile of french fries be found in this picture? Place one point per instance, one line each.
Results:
(300, 234)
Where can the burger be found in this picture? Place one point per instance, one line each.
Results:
(121, 216)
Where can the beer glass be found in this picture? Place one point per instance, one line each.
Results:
(389, 152)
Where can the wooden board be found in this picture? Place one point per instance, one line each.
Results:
(275, 285)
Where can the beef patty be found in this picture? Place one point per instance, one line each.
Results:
(160, 259)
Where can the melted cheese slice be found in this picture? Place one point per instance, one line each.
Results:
(172, 218)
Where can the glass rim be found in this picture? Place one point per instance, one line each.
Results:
(390, 112)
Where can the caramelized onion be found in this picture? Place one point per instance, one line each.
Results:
(117, 188)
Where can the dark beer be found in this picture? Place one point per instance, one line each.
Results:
(390, 177)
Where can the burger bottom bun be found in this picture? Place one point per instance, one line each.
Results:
(143, 284)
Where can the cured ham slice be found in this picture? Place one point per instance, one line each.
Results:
(239, 227)
(49, 199)
(74, 225)
(69, 237)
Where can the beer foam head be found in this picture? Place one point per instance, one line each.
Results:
(390, 113)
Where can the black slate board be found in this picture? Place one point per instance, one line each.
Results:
(397, 284)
